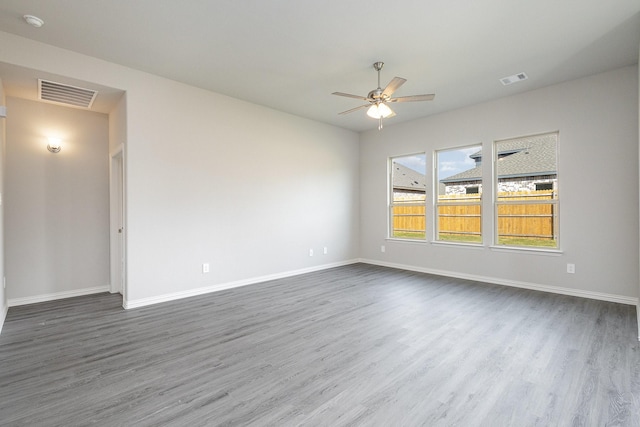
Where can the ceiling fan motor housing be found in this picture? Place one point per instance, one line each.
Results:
(375, 94)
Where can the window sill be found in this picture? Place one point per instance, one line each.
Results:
(397, 239)
(476, 246)
(458, 244)
(533, 251)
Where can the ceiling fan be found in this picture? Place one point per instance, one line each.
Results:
(378, 98)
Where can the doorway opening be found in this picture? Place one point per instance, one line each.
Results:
(117, 224)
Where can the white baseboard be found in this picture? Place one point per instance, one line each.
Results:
(638, 317)
(229, 285)
(513, 283)
(13, 302)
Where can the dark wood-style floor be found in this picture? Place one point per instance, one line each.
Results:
(356, 345)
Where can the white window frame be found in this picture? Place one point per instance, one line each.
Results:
(555, 202)
(437, 203)
(391, 204)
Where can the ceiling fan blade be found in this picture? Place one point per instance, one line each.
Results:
(393, 86)
(413, 98)
(348, 95)
(355, 109)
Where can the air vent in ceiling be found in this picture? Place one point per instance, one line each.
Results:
(513, 79)
(66, 94)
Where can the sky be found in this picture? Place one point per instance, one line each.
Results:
(450, 162)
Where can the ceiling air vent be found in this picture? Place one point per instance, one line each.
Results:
(513, 79)
(65, 94)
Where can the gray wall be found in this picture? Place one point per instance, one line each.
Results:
(211, 179)
(597, 118)
(118, 125)
(57, 205)
(3, 295)
(247, 189)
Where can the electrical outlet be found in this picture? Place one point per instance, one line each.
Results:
(310, 252)
(325, 250)
(571, 268)
(382, 249)
(205, 267)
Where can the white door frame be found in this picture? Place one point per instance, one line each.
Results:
(117, 219)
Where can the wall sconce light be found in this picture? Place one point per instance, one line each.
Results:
(54, 145)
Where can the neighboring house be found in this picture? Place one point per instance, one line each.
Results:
(408, 184)
(525, 164)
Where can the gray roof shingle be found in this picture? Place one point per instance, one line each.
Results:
(532, 156)
(405, 178)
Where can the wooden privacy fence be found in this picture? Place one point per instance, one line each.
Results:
(409, 221)
(455, 219)
(527, 220)
(461, 215)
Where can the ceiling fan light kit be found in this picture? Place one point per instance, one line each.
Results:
(378, 98)
(379, 110)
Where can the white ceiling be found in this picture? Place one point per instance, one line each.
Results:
(291, 54)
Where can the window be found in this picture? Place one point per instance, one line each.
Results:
(527, 191)
(408, 197)
(473, 190)
(459, 202)
(544, 186)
